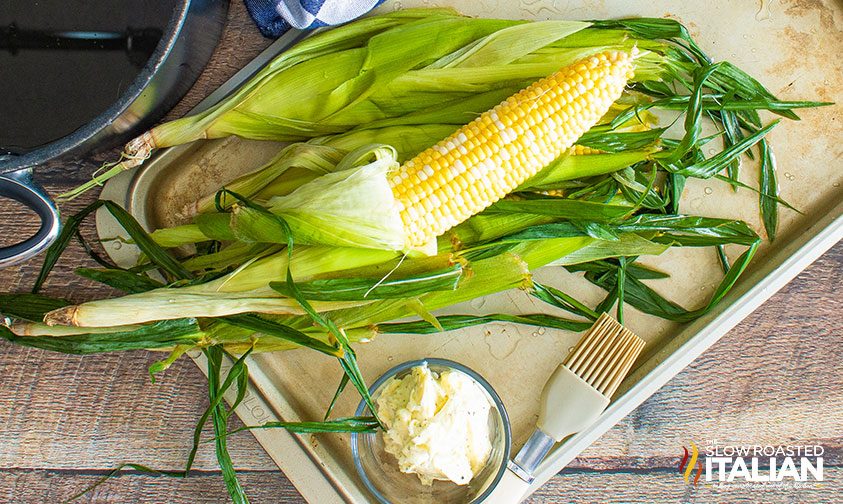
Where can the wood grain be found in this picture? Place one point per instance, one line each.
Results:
(623, 486)
(66, 420)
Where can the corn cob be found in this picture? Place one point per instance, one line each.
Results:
(490, 156)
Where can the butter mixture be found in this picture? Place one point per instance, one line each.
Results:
(437, 426)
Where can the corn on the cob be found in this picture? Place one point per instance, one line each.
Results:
(489, 157)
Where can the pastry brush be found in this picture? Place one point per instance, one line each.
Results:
(573, 398)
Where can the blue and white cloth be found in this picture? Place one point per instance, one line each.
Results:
(274, 17)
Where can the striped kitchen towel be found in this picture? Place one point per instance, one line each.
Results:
(274, 17)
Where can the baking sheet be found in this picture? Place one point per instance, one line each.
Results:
(789, 46)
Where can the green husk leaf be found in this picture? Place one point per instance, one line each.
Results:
(621, 272)
(577, 249)
(643, 298)
(633, 268)
(156, 254)
(164, 334)
(768, 190)
(233, 255)
(687, 230)
(454, 322)
(559, 299)
(604, 139)
(141, 238)
(713, 165)
(252, 224)
(271, 328)
(351, 289)
(656, 28)
(721, 256)
(338, 425)
(561, 208)
(485, 227)
(220, 419)
(177, 236)
(55, 250)
(750, 188)
(123, 280)
(340, 388)
(164, 364)
(675, 187)
(731, 135)
(508, 44)
(597, 230)
(693, 115)
(117, 472)
(577, 167)
(28, 306)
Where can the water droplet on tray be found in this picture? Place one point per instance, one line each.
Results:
(538, 332)
(117, 245)
(711, 151)
(836, 184)
(789, 176)
(390, 358)
(570, 349)
(397, 6)
(478, 303)
(708, 190)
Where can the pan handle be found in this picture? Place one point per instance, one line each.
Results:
(21, 187)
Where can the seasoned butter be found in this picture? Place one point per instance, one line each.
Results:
(436, 426)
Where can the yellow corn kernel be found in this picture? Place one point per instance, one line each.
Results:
(581, 150)
(556, 193)
(510, 144)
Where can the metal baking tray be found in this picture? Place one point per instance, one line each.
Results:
(786, 45)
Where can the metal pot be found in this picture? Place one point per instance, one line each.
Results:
(185, 47)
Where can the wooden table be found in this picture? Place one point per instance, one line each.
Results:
(65, 421)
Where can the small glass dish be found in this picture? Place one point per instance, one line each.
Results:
(379, 469)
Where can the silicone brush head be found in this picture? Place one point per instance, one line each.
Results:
(604, 355)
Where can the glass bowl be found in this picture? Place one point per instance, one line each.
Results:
(379, 469)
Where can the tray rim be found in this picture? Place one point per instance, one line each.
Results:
(320, 477)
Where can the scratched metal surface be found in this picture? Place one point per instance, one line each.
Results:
(785, 44)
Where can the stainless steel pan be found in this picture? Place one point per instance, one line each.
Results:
(184, 48)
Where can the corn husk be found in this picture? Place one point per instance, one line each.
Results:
(352, 207)
(417, 67)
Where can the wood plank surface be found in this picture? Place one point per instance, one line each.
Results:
(66, 420)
